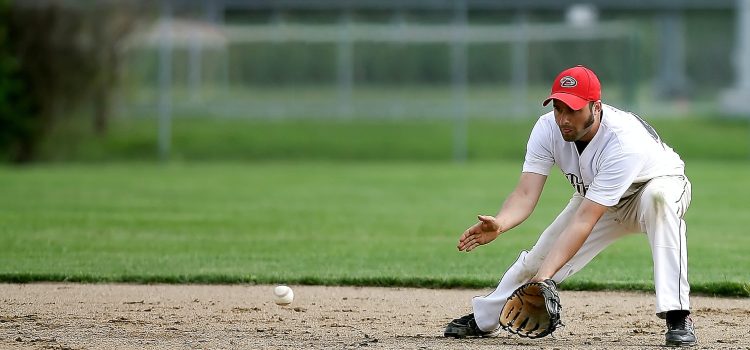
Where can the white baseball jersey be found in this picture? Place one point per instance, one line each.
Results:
(625, 153)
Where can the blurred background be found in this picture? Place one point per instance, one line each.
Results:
(343, 142)
(87, 81)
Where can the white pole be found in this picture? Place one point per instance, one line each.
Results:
(519, 64)
(459, 82)
(165, 81)
(743, 45)
(195, 70)
(743, 48)
(344, 65)
(671, 65)
(734, 100)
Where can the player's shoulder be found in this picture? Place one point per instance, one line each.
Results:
(624, 130)
(619, 121)
(615, 116)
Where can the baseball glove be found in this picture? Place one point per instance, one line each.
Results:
(533, 310)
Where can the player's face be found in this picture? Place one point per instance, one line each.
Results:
(575, 125)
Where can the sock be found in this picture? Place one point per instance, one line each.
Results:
(677, 315)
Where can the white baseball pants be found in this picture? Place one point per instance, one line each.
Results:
(656, 209)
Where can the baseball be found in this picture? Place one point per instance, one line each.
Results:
(283, 294)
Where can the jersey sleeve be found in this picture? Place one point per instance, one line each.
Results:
(616, 174)
(539, 157)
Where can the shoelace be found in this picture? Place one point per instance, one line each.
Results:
(467, 318)
(682, 324)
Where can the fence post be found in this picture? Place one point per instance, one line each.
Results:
(520, 64)
(165, 81)
(344, 64)
(459, 82)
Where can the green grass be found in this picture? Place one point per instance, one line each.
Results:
(317, 222)
(356, 139)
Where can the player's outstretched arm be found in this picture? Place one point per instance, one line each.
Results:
(516, 208)
(571, 239)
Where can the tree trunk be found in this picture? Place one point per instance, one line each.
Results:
(101, 111)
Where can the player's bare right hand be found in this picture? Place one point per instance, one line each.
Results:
(483, 232)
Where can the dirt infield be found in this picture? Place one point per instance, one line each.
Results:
(85, 316)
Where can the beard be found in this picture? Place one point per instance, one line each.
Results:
(589, 123)
(584, 131)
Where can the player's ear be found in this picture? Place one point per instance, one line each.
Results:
(597, 107)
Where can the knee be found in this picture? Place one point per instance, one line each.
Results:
(525, 266)
(657, 197)
(655, 202)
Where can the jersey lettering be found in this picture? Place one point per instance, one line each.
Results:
(577, 183)
(648, 128)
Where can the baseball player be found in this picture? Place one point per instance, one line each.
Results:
(626, 180)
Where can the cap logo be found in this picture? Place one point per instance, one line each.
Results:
(568, 82)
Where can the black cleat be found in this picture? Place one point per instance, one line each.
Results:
(680, 331)
(467, 327)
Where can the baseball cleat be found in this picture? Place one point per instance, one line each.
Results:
(680, 331)
(467, 327)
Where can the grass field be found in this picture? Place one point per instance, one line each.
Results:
(208, 139)
(318, 222)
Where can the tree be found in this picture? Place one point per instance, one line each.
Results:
(57, 55)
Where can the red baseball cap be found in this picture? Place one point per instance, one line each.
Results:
(575, 87)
